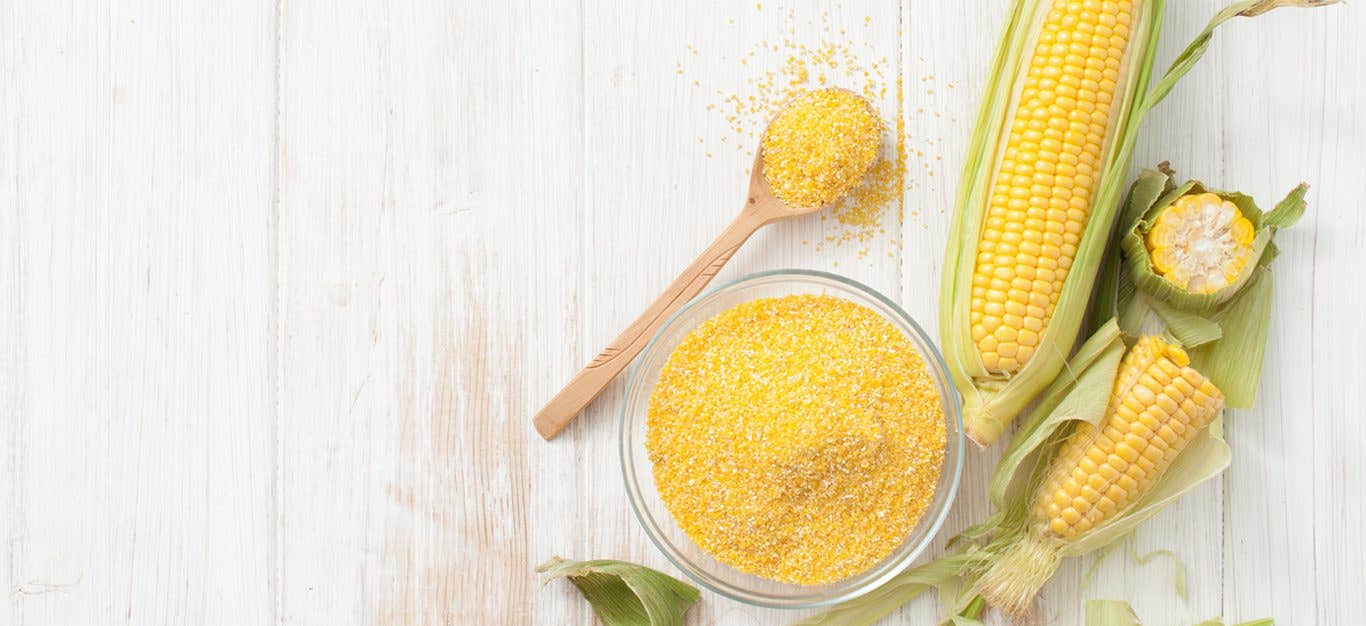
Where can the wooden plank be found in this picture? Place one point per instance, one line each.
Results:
(945, 56)
(1334, 412)
(430, 167)
(12, 343)
(1274, 141)
(139, 462)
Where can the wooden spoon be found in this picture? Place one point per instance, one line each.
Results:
(761, 208)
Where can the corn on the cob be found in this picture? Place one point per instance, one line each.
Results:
(1035, 207)
(1157, 405)
(1201, 243)
(1041, 196)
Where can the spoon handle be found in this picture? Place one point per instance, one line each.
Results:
(594, 377)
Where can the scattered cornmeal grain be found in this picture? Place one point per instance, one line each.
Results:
(797, 438)
(820, 147)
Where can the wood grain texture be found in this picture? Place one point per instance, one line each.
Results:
(284, 282)
(139, 281)
(1268, 542)
(944, 59)
(420, 147)
(1336, 397)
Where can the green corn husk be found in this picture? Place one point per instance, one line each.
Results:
(1234, 362)
(991, 401)
(625, 594)
(1225, 331)
(1215, 621)
(1114, 291)
(884, 600)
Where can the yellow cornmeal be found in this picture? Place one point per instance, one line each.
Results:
(796, 438)
(820, 147)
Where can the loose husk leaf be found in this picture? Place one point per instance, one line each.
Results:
(1110, 613)
(1215, 621)
(882, 601)
(1119, 613)
(625, 594)
(1178, 566)
(1234, 362)
(1127, 542)
(1191, 329)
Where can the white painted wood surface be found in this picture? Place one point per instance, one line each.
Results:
(283, 281)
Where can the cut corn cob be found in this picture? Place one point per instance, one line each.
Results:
(1035, 208)
(1201, 243)
(1194, 247)
(1157, 405)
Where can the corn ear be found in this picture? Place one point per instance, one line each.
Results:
(997, 385)
(1154, 399)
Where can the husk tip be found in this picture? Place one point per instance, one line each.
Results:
(981, 428)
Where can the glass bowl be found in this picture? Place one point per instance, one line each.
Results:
(638, 472)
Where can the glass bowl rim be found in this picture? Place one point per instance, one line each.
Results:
(955, 444)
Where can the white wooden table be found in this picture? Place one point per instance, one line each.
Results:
(282, 281)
